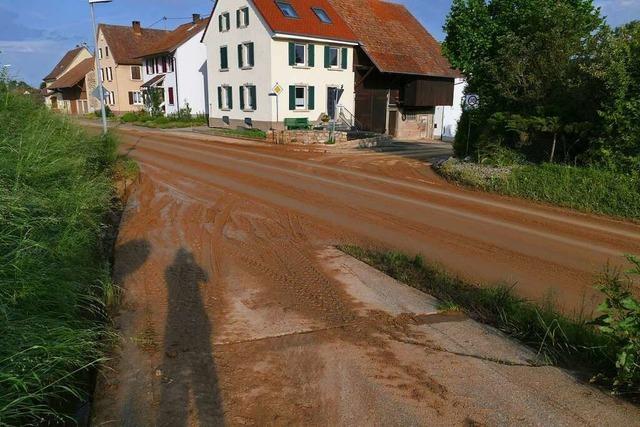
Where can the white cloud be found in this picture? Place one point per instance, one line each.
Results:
(27, 46)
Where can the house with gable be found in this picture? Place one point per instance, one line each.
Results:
(176, 66)
(300, 50)
(65, 84)
(119, 48)
(401, 75)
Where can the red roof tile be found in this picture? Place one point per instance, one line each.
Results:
(126, 45)
(64, 63)
(307, 23)
(74, 75)
(175, 38)
(393, 38)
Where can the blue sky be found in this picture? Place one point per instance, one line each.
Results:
(34, 34)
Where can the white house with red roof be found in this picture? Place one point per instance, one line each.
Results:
(301, 50)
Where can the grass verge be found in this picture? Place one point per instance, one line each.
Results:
(578, 344)
(588, 190)
(56, 190)
(242, 133)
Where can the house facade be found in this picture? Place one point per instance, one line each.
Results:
(272, 60)
(75, 87)
(400, 73)
(119, 48)
(54, 97)
(177, 67)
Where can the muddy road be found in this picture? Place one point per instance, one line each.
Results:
(237, 311)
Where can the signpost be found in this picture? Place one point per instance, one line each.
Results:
(471, 102)
(100, 89)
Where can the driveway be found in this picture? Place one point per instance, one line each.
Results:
(238, 311)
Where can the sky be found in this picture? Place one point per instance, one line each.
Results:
(34, 34)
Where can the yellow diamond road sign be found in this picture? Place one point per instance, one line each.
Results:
(277, 89)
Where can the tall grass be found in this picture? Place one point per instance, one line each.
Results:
(587, 189)
(55, 190)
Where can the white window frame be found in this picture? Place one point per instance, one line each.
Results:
(338, 53)
(305, 50)
(109, 74)
(137, 98)
(243, 17)
(102, 74)
(100, 53)
(246, 94)
(245, 55)
(228, 91)
(226, 21)
(305, 106)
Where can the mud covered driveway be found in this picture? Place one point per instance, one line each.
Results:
(238, 312)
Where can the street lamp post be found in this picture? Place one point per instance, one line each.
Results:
(97, 60)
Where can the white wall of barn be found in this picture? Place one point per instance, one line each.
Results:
(446, 118)
(191, 72)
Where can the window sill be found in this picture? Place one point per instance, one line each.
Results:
(223, 70)
(225, 109)
(247, 68)
(335, 69)
(302, 67)
(301, 110)
(248, 110)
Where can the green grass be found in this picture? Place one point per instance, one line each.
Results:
(573, 343)
(243, 133)
(585, 189)
(142, 118)
(55, 191)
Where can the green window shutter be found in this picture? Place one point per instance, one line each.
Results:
(238, 18)
(240, 64)
(224, 58)
(254, 100)
(327, 57)
(228, 18)
(220, 23)
(219, 97)
(292, 53)
(242, 97)
(311, 55)
(345, 58)
(292, 98)
(311, 94)
(250, 54)
(230, 97)
(246, 16)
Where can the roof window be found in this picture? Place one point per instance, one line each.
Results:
(287, 10)
(322, 15)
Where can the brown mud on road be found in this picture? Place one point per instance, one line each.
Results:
(236, 313)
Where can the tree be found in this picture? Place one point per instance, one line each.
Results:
(522, 58)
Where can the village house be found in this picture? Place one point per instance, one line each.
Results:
(119, 48)
(302, 51)
(400, 72)
(68, 85)
(176, 66)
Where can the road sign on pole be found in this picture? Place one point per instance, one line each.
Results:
(96, 92)
(471, 101)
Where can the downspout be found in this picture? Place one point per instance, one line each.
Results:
(175, 70)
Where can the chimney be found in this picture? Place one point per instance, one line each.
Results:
(137, 29)
(196, 18)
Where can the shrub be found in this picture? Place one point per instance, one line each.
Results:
(107, 111)
(621, 323)
(130, 117)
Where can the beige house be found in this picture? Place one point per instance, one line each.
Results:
(54, 97)
(119, 49)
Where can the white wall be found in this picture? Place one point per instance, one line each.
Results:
(447, 117)
(256, 32)
(317, 76)
(191, 70)
(271, 67)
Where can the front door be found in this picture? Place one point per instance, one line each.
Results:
(331, 102)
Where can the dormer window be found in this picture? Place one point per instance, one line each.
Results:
(322, 15)
(287, 9)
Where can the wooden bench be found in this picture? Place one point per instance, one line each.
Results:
(297, 124)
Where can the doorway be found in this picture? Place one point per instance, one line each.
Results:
(331, 102)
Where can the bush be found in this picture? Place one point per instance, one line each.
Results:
(621, 323)
(130, 117)
(107, 111)
(55, 191)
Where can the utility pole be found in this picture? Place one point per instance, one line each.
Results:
(97, 60)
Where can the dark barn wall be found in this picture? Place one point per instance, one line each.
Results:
(377, 93)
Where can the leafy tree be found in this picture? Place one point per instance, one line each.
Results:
(523, 58)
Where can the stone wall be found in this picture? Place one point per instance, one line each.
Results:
(305, 137)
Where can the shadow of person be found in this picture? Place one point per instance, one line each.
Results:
(129, 257)
(189, 378)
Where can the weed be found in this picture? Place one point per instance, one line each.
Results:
(55, 191)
